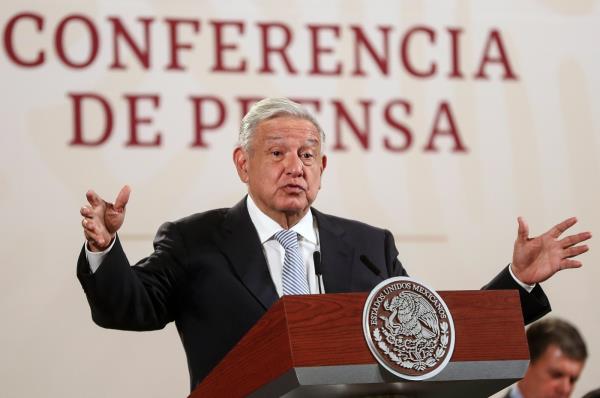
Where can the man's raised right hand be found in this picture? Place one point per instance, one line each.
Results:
(102, 220)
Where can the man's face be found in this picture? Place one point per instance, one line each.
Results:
(553, 375)
(283, 167)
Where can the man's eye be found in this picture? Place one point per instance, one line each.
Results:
(556, 374)
(276, 153)
(307, 155)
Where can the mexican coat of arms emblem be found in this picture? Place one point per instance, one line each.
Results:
(408, 328)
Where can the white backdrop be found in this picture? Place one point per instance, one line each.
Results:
(514, 90)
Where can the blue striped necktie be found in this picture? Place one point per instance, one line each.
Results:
(294, 273)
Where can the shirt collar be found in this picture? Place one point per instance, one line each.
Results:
(515, 392)
(267, 227)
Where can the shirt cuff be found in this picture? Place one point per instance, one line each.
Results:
(524, 285)
(95, 258)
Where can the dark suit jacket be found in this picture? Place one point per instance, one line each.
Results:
(208, 273)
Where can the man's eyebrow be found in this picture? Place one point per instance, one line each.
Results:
(311, 142)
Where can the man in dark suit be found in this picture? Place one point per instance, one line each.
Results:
(216, 273)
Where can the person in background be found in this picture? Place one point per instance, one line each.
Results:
(557, 355)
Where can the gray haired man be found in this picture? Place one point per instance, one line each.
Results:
(216, 273)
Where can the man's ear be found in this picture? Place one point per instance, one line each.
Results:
(240, 159)
(323, 165)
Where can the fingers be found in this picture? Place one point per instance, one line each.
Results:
(86, 211)
(101, 220)
(88, 237)
(575, 239)
(91, 230)
(96, 201)
(523, 231)
(568, 263)
(88, 225)
(558, 229)
(122, 198)
(97, 237)
(93, 198)
(93, 224)
(575, 251)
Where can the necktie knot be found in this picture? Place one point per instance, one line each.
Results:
(287, 238)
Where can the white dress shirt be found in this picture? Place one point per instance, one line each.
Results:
(308, 240)
(514, 392)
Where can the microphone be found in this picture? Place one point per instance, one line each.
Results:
(372, 267)
(318, 273)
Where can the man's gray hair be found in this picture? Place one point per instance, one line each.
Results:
(269, 108)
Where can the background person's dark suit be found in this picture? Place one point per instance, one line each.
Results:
(208, 273)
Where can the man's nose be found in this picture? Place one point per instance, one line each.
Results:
(566, 386)
(294, 165)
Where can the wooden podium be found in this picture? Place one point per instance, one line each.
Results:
(314, 346)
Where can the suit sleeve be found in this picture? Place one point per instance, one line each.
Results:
(394, 266)
(534, 304)
(139, 297)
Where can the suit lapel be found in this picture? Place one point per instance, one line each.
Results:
(336, 255)
(241, 245)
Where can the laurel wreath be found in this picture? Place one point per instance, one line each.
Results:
(404, 359)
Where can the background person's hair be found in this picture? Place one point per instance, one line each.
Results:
(269, 108)
(555, 331)
(593, 394)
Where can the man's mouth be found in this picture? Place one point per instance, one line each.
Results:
(293, 188)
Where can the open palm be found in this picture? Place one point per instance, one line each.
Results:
(537, 259)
